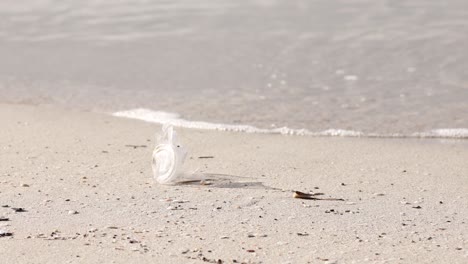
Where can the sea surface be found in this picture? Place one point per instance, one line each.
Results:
(311, 67)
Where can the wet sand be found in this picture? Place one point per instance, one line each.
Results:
(85, 184)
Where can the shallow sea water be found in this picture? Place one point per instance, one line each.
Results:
(369, 66)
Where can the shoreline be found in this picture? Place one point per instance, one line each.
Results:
(85, 183)
(162, 117)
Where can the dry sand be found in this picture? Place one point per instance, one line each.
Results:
(85, 183)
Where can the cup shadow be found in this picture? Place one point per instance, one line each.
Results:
(218, 180)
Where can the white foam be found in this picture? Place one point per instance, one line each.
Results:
(174, 119)
(445, 133)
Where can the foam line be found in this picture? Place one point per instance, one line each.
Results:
(444, 133)
(174, 119)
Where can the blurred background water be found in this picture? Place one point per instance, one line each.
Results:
(377, 66)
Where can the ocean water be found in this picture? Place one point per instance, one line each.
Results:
(307, 67)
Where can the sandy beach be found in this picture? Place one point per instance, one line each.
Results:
(77, 187)
(371, 96)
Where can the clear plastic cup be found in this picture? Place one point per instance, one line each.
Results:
(168, 157)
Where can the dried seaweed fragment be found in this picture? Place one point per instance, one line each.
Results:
(311, 196)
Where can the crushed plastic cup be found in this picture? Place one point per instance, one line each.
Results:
(168, 157)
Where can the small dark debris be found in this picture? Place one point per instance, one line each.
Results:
(343, 184)
(250, 250)
(302, 234)
(206, 157)
(404, 171)
(4, 219)
(18, 209)
(5, 206)
(458, 248)
(440, 202)
(218, 261)
(417, 207)
(136, 146)
(5, 234)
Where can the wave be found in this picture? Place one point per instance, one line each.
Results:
(160, 117)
